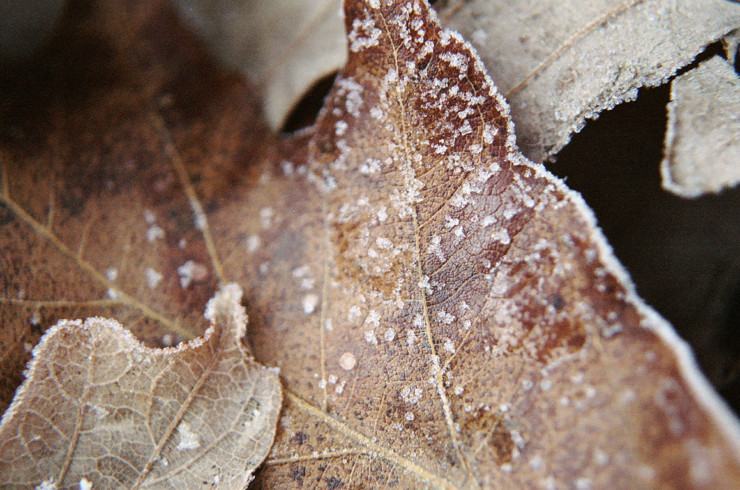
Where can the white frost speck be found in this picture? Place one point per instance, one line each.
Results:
(445, 317)
(501, 236)
(370, 337)
(167, 340)
(35, 318)
(411, 397)
(451, 222)
(302, 271)
(340, 127)
(459, 390)
(390, 335)
(85, 484)
(363, 35)
(47, 485)
(149, 217)
(199, 217)
(114, 294)
(152, 277)
(310, 301)
(410, 337)
(154, 233)
(600, 457)
(435, 248)
(188, 439)
(332, 379)
(111, 274)
(266, 215)
(410, 416)
(190, 272)
(347, 361)
(488, 221)
(583, 484)
(354, 313)
(253, 243)
(370, 166)
(382, 214)
(373, 318)
(449, 346)
(479, 37)
(384, 243)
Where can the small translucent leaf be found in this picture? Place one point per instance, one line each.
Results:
(702, 147)
(99, 407)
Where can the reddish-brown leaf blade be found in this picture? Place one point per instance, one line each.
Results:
(447, 309)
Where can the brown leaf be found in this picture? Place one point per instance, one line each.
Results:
(442, 310)
(98, 216)
(98, 211)
(99, 408)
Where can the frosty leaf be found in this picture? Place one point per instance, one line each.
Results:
(702, 145)
(559, 64)
(99, 407)
(98, 210)
(284, 46)
(445, 312)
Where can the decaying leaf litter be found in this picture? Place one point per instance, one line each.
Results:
(442, 310)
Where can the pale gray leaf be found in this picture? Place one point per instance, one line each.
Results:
(702, 144)
(560, 63)
(284, 46)
(100, 410)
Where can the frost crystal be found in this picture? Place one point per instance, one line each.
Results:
(152, 277)
(310, 301)
(188, 439)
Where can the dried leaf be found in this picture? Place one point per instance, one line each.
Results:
(285, 46)
(99, 407)
(702, 146)
(445, 312)
(560, 64)
(98, 210)
(365, 246)
(99, 217)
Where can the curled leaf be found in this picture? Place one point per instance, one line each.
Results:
(702, 145)
(99, 407)
(284, 46)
